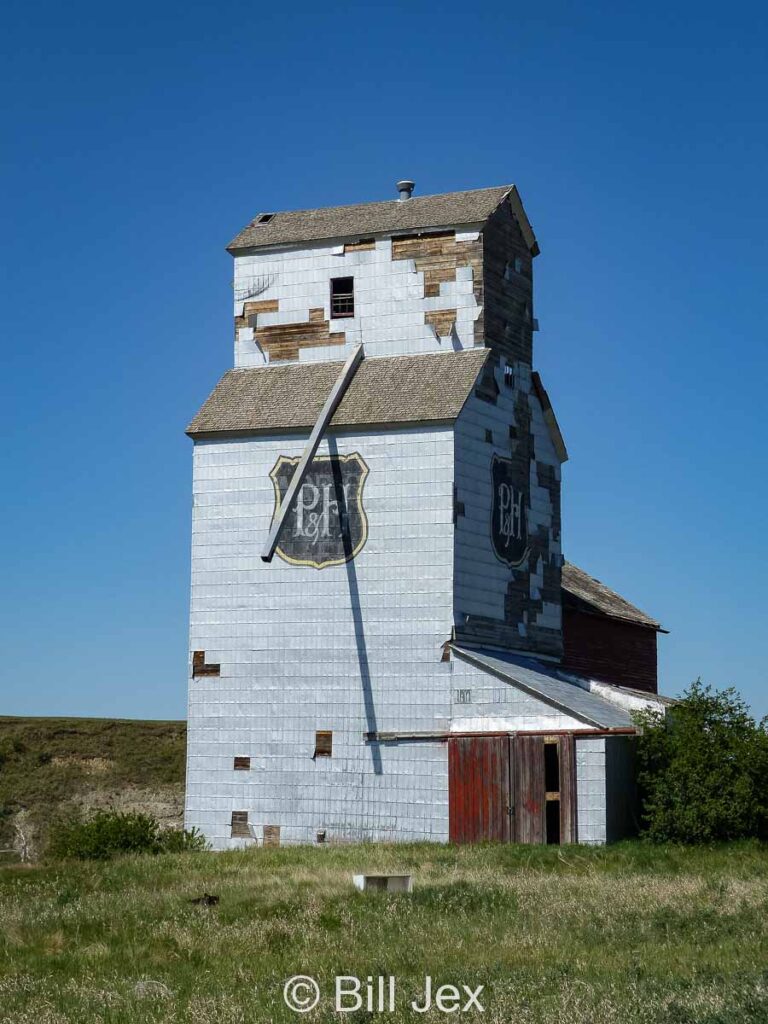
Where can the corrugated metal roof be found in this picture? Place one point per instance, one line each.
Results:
(592, 592)
(546, 683)
(446, 210)
(432, 387)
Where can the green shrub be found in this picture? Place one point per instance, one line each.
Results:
(703, 769)
(109, 833)
(183, 840)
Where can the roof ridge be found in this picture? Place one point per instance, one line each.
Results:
(384, 202)
(380, 217)
(601, 597)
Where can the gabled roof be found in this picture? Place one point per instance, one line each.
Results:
(366, 219)
(548, 685)
(432, 387)
(589, 594)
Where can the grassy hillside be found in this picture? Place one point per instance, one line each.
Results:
(632, 934)
(52, 766)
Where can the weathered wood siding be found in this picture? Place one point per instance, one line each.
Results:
(530, 794)
(507, 288)
(615, 652)
(478, 787)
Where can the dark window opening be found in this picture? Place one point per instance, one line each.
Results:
(324, 743)
(509, 376)
(265, 218)
(242, 764)
(552, 767)
(553, 822)
(342, 297)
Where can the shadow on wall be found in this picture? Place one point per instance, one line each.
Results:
(357, 616)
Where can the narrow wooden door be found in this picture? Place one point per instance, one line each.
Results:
(530, 795)
(543, 789)
(567, 789)
(479, 788)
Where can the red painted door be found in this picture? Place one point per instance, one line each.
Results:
(479, 788)
(498, 789)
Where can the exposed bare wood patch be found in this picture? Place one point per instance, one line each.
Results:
(251, 311)
(323, 743)
(239, 824)
(438, 256)
(271, 835)
(283, 341)
(242, 764)
(363, 245)
(316, 316)
(442, 320)
(202, 668)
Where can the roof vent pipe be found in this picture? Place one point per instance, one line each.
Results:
(405, 188)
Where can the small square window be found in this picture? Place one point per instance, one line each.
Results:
(265, 218)
(323, 743)
(242, 764)
(342, 297)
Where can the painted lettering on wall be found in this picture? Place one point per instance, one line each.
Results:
(509, 512)
(326, 524)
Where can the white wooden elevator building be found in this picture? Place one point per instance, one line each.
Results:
(385, 640)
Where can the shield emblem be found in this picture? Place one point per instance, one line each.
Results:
(509, 513)
(326, 524)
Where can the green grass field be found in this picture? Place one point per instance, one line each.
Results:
(623, 935)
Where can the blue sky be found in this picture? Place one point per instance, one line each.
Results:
(137, 139)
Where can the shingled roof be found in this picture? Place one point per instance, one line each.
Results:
(591, 595)
(391, 389)
(364, 219)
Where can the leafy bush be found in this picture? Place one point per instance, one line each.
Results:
(108, 833)
(703, 769)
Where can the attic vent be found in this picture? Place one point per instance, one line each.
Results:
(405, 189)
(265, 218)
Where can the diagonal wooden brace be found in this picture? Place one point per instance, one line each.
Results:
(331, 404)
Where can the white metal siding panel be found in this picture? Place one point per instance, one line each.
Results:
(481, 702)
(590, 790)
(295, 644)
(389, 300)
